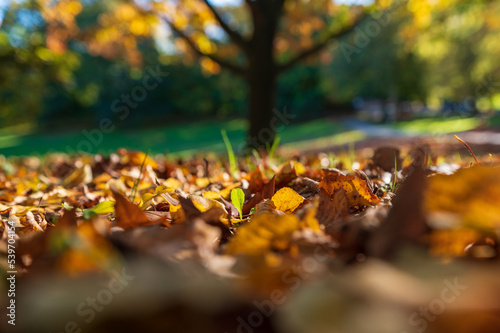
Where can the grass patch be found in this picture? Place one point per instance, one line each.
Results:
(437, 126)
(494, 121)
(181, 139)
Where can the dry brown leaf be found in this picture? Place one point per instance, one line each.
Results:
(332, 209)
(82, 175)
(159, 217)
(68, 220)
(30, 219)
(266, 193)
(129, 215)
(386, 157)
(255, 180)
(266, 207)
(285, 174)
(405, 221)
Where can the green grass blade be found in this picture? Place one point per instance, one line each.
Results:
(230, 153)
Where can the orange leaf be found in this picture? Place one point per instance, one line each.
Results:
(357, 192)
(255, 180)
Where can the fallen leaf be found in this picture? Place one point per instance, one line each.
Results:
(266, 193)
(309, 219)
(255, 180)
(285, 174)
(405, 221)
(266, 207)
(264, 233)
(82, 175)
(386, 158)
(331, 209)
(356, 189)
(129, 215)
(287, 200)
(470, 195)
(30, 219)
(159, 217)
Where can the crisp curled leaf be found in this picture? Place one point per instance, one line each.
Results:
(148, 198)
(203, 204)
(264, 233)
(356, 189)
(287, 200)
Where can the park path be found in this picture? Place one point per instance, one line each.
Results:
(375, 130)
(479, 136)
(483, 141)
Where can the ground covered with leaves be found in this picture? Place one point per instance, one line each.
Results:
(378, 240)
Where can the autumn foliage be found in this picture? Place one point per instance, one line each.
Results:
(272, 226)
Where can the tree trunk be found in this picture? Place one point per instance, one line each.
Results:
(262, 90)
(262, 72)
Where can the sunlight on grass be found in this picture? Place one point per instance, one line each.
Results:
(23, 129)
(438, 126)
(9, 141)
(337, 139)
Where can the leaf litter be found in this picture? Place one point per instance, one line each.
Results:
(310, 241)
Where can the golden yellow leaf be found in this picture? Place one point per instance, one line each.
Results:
(203, 204)
(147, 198)
(299, 167)
(357, 192)
(173, 183)
(202, 182)
(138, 158)
(264, 233)
(177, 214)
(287, 200)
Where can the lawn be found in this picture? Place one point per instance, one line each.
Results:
(182, 139)
(435, 126)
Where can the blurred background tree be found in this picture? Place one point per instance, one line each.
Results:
(67, 61)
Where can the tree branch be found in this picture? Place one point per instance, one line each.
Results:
(319, 46)
(233, 35)
(223, 63)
